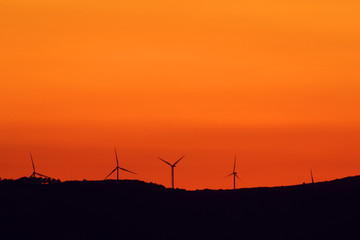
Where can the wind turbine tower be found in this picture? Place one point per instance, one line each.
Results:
(172, 169)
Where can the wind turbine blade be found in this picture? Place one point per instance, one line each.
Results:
(228, 175)
(312, 178)
(237, 177)
(179, 160)
(234, 163)
(42, 175)
(164, 161)
(127, 170)
(117, 160)
(32, 161)
(111, 173)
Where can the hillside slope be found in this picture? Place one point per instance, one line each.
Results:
(137, 210)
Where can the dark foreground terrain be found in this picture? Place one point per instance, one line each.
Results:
(138, 210)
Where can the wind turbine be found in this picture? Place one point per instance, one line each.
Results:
(312, 178)
(33, 175)
(234, 173)
(118, 168)
(172, 168)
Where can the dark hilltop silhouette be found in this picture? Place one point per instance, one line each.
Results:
(37, 208)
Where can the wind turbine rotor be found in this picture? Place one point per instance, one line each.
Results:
(179, 160)
(111, 173)
(234, 164)
(229, 175)
(312, 177)
(116, 156)
(165, 161)
(126, 170)
(32, 161)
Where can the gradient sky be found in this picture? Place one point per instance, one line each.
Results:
(275, 82)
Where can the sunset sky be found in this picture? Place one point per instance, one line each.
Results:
(275, 82)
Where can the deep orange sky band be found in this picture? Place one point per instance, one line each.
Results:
(275, 82)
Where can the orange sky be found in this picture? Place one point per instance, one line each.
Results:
(275, 82)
